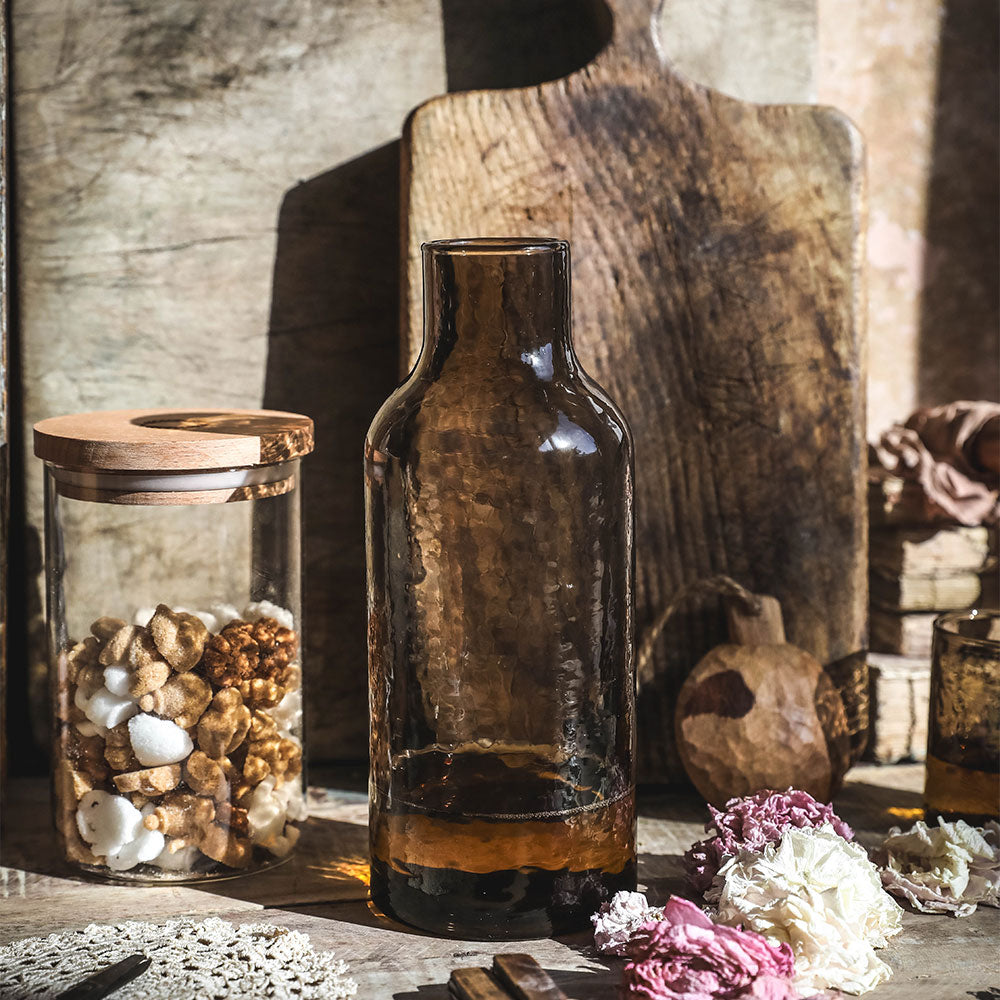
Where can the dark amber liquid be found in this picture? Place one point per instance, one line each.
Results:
(479, 870)
(958, 792)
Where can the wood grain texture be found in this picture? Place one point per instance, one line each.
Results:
(165, 439)
(718, 297)
(204, 189)
(525, 979)
(475, 984)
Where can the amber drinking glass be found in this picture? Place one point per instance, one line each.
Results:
(500, 577)
(963, 732)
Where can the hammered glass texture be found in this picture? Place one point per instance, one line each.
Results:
(499, 507)
(963, 732)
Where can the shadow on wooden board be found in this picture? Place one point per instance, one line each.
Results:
(333, 349)
(333, 353)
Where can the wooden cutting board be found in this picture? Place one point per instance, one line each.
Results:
(717, 267)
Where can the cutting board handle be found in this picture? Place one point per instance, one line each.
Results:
(635, 37)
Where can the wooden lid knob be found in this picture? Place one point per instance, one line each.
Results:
(173, 440)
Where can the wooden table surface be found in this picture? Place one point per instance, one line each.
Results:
(323, 892)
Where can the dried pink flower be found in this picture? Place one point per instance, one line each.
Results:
(685, 956)
(752, 822)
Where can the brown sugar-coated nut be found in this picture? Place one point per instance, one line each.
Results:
(223, 845)
(290, 678)
(147, 671)
(150, 780)
(183, 699)
(232, 655)
(83, 655)
(261, 692)
(277, 647)
(181, 814)
(90, 679)
(234, 817)
(104, 628)
(71, 784)
(117, 646)
(83, 667)
(224, 725)
(86, 754)
(209, 777)
(262, 727)
(269, 753)
(118, 749)
(179, 637)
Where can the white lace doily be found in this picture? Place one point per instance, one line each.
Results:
(210, 959)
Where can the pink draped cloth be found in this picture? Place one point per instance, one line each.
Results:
(938, 448)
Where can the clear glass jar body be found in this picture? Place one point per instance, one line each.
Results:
(962, 766)
(174, 616)
(499, 526)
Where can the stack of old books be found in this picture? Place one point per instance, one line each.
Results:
(920, 566)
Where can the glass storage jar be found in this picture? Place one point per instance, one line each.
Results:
(172, 554)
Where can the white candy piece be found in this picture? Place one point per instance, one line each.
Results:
(270, 809)
(265, 609)
(104, 708)
(116, 680)
(280, 846)
(287, 714)
(87, 728)
(142, 616)
(158, 741)
(181, 860)
(207, 619)
(81, 699)
(266, 813)
(290, 793)
(224, 613)
(107, 822)
(146, 846)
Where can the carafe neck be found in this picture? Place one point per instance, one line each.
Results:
(497, 303)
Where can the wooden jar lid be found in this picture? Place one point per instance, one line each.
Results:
(166, 440)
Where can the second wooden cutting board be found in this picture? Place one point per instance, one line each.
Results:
(717, 251)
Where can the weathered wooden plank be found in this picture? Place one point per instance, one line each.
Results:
(204, 192)
(718, 291)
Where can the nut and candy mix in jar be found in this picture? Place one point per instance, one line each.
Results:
(174, 618)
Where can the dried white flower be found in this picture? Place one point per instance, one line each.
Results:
(619, 919)
(944, 869)
(824, 897)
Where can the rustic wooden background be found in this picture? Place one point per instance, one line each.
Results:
(205, 209)
(718, 297)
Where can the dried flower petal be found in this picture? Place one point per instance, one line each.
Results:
(752, 822)
(945, 869)
(685, 956)
(820, 894)
(619, 919)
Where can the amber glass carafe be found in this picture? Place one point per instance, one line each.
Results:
(499, 517)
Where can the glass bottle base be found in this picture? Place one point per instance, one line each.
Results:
(495, 906)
